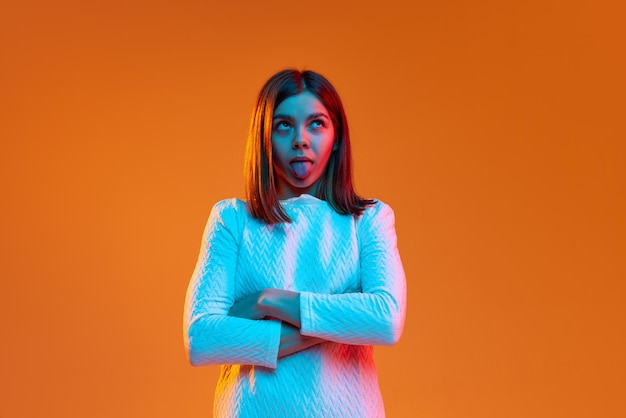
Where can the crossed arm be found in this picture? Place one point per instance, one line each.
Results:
(221, 330)
(279, 304)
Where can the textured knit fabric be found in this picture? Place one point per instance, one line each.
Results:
(352, 293)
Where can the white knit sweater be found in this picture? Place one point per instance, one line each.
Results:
(352, 293)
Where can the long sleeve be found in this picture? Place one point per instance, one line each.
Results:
(375, 316)
(211, 336)
(352, 291)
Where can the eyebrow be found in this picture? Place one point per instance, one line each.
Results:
(311, 116)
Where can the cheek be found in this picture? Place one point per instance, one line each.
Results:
(275, 150)
(278, 156)
(330, 144)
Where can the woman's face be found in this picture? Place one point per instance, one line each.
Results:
(303, 137)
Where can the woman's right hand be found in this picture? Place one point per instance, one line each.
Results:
(256, 306)
(291, 341)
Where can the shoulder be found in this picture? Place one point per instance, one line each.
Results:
(229, 206)
(376, 212)
(230, 213)
(377, 220)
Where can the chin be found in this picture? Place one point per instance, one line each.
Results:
(301, 184)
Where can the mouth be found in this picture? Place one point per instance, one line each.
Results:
(301, 167)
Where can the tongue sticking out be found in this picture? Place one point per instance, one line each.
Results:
(301, 169)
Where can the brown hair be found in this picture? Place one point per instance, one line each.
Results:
(335, 184)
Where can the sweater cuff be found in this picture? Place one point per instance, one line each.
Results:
(306, 315)
(273, 328)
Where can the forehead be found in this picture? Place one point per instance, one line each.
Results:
(302, 104)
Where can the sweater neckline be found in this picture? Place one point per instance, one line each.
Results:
(302, 199)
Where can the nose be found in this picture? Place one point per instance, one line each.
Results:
(301, 139)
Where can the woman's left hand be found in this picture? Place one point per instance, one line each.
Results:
(250, 307)
(277, 303)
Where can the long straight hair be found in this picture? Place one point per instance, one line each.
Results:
(335, 184)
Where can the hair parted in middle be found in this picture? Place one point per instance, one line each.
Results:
(335, 185)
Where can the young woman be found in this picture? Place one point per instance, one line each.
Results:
(294, 286)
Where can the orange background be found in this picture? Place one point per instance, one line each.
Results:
(494, 128)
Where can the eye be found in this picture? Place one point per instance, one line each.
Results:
(282, 125)
(318, 123)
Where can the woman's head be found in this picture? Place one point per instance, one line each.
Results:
(288, 152)
(303, 139)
